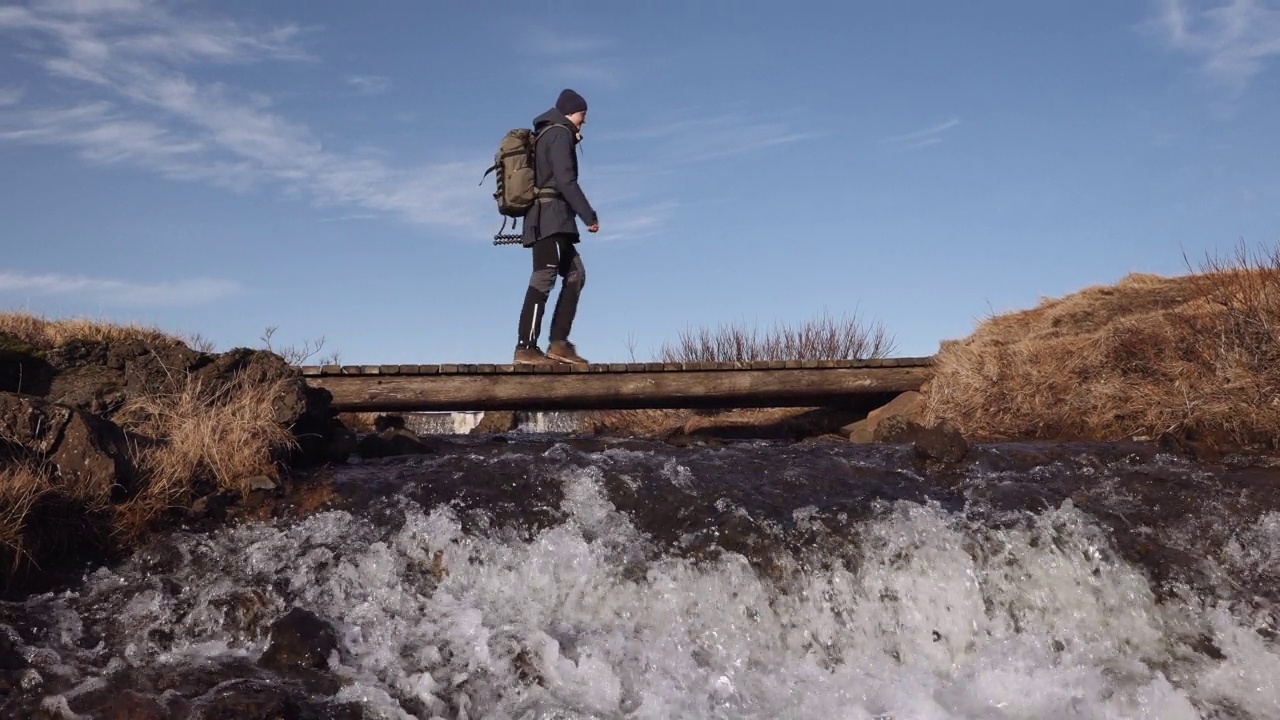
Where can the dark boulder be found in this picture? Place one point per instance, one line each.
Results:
(299, 640)
(389, 443)
(941, 443)
(93, 388)
(92, 456)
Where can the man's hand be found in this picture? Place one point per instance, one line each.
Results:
(594, 227)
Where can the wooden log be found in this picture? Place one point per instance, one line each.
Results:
(548, 390)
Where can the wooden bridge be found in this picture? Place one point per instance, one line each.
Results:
(805, 383)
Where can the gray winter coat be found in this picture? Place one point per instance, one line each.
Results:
(556, 168)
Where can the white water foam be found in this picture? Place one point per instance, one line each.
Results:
(942, 619)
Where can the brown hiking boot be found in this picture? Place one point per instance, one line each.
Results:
(531, 356)
(564, 351)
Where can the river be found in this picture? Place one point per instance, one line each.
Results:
(542, 578)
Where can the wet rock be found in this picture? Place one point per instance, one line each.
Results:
(1201, 451)
(906, 406)
(23, 368)
(496, 421)
(389, 443)
(128, 705)
(299, 640)
(30, 425)
(92, 388)
(941, 443)
(11, 659)
(256, 700)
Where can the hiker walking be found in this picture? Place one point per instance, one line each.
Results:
(551, 231)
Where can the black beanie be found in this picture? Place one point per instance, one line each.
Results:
(570, 102)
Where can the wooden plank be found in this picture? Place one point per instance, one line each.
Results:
(545, 389)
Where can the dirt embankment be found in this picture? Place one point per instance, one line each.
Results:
(108, 432)
(1194, 358)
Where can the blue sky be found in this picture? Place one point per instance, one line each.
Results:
(218, 168)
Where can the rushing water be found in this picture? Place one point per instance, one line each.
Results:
(539, 579)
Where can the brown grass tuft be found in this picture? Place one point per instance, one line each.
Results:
(1197, 356)
(204, 437)
(21, 487)
(45, 334)
(820, 338)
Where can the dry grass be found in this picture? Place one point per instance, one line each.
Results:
(205, 437)
(44, 334)
(1197, 356)
(21, 487)
(820, 338)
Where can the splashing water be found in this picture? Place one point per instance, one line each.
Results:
(918, 610)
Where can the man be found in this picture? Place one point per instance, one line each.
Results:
(551, 230)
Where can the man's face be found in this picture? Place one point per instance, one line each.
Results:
(578, 119)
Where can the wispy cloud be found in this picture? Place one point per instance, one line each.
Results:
(193, 291)
(1233, 40)
(636, 222)
(369, 84)
(10, 96)
(631, 189)
(922, 138)
(567, 59)
(696, 139)
(145, 101)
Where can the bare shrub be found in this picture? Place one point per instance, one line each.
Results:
(1197, 356)
(820, 338)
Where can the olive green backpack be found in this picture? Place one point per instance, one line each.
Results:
(514, 167)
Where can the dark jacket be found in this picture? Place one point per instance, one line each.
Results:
(556, 167)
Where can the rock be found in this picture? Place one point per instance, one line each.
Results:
(93, 388)
(78, 353)
(257, 700)
(942, 442)
(299, 640)
(22, 367)
(11, 660)
(92, 455)
(496, 421)
(392, 442)
(129, 705)
(31, 425)
(908, 405)
(260, 482)
(260, 366)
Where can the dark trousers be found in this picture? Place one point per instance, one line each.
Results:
(553, 256)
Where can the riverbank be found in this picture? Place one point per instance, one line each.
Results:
(112, 432)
